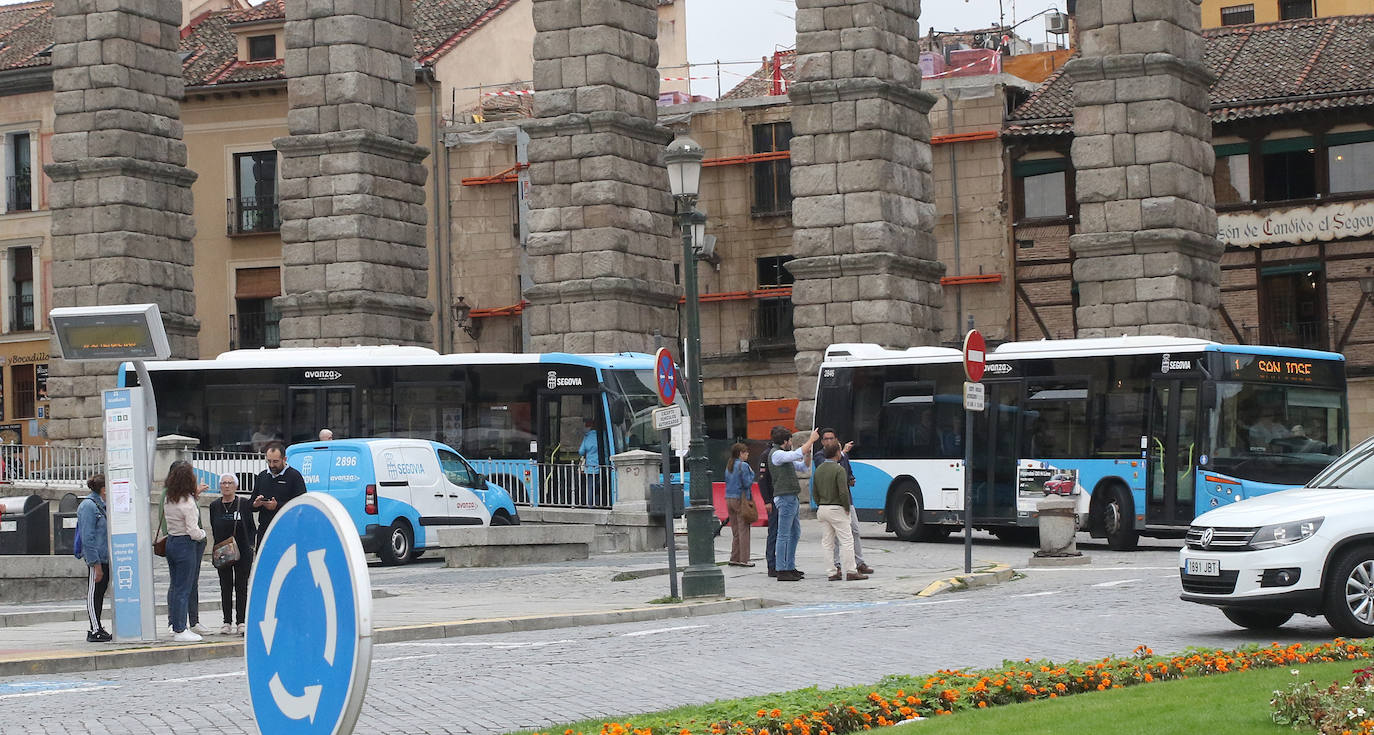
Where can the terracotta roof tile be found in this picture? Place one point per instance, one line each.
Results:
(1262, 70)
(760, 83)
(26, 31)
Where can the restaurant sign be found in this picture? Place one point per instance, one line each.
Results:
(1298, 224)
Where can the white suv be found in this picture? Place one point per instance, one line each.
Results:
(1308, 550)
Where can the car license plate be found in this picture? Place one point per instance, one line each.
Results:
(1203, 568)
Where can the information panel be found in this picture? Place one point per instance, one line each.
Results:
(127, 507)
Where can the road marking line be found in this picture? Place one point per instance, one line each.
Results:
(820, 615)
(408, 658)
(1116, 582)
(480, 644)
(199, 678)
(59, 691)
(1038, 570)
(656, 631)
(1040, 594)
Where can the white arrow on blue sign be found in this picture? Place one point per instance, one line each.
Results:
(308, 647)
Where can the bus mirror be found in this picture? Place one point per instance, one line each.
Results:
(1209, 395)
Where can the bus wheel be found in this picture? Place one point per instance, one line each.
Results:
(1118, 520)
(1349, 593)
(1256, 619)
(904, 510)
(399, 544)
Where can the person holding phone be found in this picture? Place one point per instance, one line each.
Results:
(784, 465)
(830, 439)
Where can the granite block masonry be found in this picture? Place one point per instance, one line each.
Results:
(863, 207)
(121, 193)
(354, 259)
(1147, 260)
(600, 243)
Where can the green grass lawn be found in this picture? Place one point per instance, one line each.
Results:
(1212, 705)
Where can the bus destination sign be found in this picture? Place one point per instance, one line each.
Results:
(1281, 369)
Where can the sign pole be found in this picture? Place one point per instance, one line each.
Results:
(666, 377)
(968, 491)
(975, 361)
(666, 436)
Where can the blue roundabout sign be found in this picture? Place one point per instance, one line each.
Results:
(308, 646)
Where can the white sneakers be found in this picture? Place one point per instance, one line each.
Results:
(226, 629)
(201, 629)
(186, 636)
(242, 628)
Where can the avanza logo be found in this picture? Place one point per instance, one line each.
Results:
(323, 375)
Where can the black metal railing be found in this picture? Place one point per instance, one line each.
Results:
(18, 193)
(254, 330)
(1306, 335)
(21, 313)
(773, 325)
(252, 215)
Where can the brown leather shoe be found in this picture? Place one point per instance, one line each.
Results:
(865, 569)
(835, 577)
(855, 576)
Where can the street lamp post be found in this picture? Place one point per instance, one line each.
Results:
(702, 578)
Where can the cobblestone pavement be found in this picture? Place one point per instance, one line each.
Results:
(492, 684)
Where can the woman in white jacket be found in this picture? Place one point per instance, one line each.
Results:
(185, 545)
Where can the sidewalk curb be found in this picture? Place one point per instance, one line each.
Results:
(57, 663)
(995, 574)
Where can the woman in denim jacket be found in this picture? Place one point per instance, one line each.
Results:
(739, 483)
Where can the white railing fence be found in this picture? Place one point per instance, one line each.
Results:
(49, 464)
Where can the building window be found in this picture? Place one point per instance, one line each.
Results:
(773, 271)
(262, 48)
(1238, 15)
(256, 319)
(254, 206)
(1293, 309)
(18, 173)
(1231, 177)
(1351, 167)
(21, 289)
(773, 318)
(25, 392)
(1040, 188)
(1290, 169)
(773, 179)
(1293, 9)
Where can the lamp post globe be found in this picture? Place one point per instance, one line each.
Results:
(702, 578)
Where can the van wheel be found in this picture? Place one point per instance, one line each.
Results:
(904, 512)
(1116, 516)
(1349, 593)
(399, 545)
(1256, 619)
(501, 519)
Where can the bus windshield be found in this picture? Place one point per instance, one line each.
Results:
(633, 398)
(1276, 433)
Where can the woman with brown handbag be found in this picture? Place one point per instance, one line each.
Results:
(739, 498)
(231, 521)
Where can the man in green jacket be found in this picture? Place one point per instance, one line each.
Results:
(830, 486)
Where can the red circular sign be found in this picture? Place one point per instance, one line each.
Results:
(975, 355)
(665, 376)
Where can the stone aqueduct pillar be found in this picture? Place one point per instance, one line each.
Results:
(863, 207)
(121, 193)
(600, 219)
(1147, 257)
(354, 255)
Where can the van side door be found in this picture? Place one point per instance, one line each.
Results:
(467, 503)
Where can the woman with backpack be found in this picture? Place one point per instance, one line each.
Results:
(231, 517)
(94, 541)
(185, 546)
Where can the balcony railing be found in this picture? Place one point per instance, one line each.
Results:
(21, 313)
(1306, 335)
(18, 193)
(773, 325)
(254, 330)
(252, 215)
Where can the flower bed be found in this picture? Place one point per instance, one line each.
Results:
(898, 699)
(1331, 710)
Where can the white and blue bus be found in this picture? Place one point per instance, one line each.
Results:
(1145, 432)
(520, 419)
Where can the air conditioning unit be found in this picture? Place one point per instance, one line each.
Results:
(1040, 48)
(1056, 23)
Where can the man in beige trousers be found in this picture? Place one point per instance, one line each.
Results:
(830, 488)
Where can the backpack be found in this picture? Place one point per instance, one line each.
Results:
(765, 478)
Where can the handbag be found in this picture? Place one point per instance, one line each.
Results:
(160, 538)
(227, 551)
(748, 511)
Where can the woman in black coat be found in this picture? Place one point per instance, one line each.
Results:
(231, 516)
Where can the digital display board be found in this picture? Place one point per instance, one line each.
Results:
(1282, 369)
(129, 332)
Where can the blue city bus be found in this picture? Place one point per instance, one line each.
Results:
(1144, 432)
(518, 418)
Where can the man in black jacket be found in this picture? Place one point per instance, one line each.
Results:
(274, 487)
(765, 481)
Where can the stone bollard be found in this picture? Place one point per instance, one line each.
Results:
(1057, 533)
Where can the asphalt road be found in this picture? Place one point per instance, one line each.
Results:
(493, 684)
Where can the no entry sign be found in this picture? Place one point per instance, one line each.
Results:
(975, 357)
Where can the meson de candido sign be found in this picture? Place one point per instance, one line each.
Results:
(1299, 224)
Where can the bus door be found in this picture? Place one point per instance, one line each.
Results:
(561, 430)
(995, 437)
(311, 408)
(1172, 449)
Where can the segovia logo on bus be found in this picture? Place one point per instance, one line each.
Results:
(557, 382)
(1166, 364)
(323, 375)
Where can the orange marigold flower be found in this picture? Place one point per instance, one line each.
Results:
(775, 712)
(982, 705)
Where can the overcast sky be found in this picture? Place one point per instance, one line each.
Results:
(748, 30)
